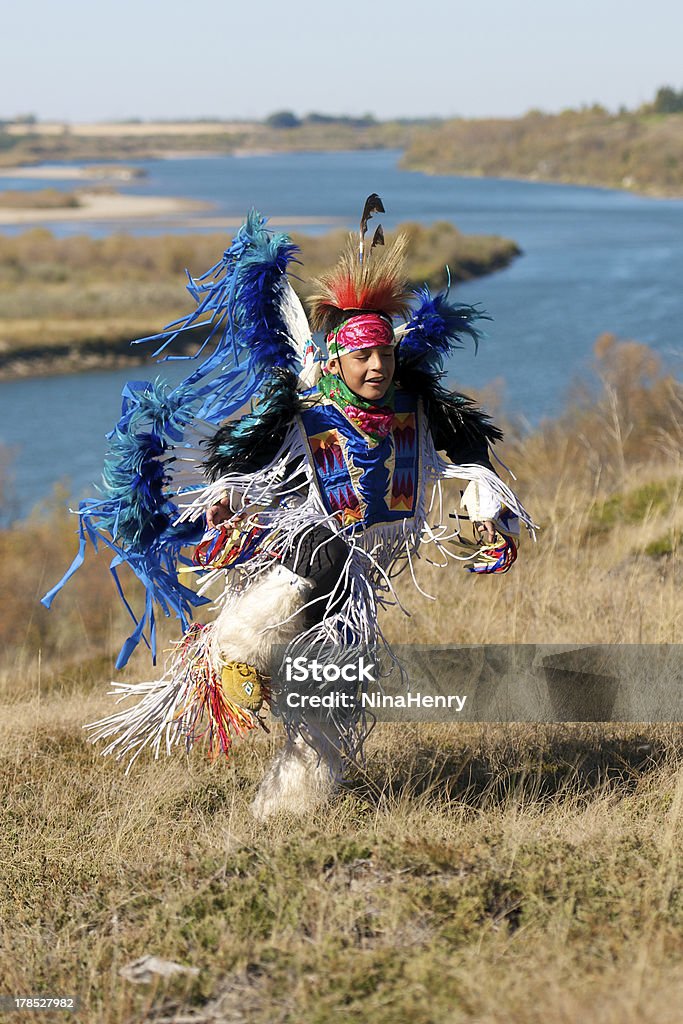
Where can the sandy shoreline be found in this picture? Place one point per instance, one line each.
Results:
(99, 206)
(72, 172)
(103, 207)
(132, 129)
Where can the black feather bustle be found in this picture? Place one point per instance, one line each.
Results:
(457, 424)
(249, 443)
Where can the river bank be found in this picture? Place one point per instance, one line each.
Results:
(59, 359)
(70, 172)
(36, 143)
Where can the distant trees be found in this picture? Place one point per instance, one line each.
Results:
(8, 141)
(668, 101)
(354, 122)
(287, 119)
(283, 119)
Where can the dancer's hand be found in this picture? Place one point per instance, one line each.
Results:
(486, 530)
(219, 513)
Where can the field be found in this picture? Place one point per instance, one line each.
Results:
(505, 874)
(499, 873)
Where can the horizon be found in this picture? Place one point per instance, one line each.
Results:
(28, 117)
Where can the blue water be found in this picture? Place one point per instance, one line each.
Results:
(594, 260)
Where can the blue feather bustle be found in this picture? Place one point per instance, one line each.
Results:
(238, 307)
(246, 443)
(238, 310)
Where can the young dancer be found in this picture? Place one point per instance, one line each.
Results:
(304, 508)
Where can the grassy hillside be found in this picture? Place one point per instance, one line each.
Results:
(515, 874)
(77, 302)
(636, 151)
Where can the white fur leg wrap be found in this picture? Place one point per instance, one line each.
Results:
(268, 612)
(301, 777)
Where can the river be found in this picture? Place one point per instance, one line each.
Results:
(594, 260)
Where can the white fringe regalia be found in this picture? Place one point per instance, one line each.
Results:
(263, 603)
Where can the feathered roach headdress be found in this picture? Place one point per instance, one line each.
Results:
(355, 302)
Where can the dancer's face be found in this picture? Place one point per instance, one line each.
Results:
(367, 371)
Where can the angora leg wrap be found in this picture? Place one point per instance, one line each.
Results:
(301, 777)
(267, 613)
(303, 774)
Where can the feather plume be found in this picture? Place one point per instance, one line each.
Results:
(378, 237)
(294, 320)
(435, 328)
(373, 204)
(254, 327)
(377, 285)
(246, 312)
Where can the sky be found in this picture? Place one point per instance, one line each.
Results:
(78, 60)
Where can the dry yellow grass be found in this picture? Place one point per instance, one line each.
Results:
(501, 873)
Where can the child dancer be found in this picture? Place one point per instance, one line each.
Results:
(312, 501)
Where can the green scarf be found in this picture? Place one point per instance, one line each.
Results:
(371, 418)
